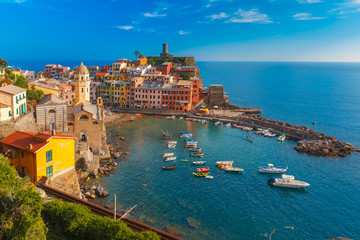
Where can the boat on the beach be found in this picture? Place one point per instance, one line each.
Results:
(281, 138)
(197, 154)
(198, 163)
(168, 154)
(245, 128)
(195, 149)
(249, 139)
(234, 169)
(288, 181)
(201, 174)
(204, 169)
(168, 159)
(271, 169)
(172, 167)
(185, 134)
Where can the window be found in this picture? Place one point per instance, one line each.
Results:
(49, 156)
(22, 154)
(49, 171)
(70, 102)
(83, 117)
(17, 111)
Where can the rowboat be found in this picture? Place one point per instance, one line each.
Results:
(122, 138)
(172, 144)
(234, 169)
(204, 169)
(184, 160)
(201, 174)
(249, 139)
(218, 123)
(210, 177)
(170, 117)
(197, 154)
(199, 162)
(288, 181)
(224, 162)
(166, 137)
(172, 167)
(185, 134)
(195, 149)
(222, 167)
(168, 159)
(190, 145)
(168, 154)
(190, 141)
(271, 169)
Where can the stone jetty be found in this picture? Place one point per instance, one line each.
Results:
(328, 147)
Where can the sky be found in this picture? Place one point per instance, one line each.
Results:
(210, 30)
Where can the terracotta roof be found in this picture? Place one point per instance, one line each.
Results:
(23, 140)
(101, 74)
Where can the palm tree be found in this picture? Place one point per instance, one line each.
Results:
(136, 53)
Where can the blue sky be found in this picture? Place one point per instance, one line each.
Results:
(267, 30)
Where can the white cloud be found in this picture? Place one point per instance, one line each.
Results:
(309, 1)
(154, 15)
(12, 1)
(125, 27)
(306, 16)
(349, 7)
(181, 32)
(218, 16)
(252, 16)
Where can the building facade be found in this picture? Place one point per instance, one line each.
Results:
(82, 84)
(148, 95)
(15, 98)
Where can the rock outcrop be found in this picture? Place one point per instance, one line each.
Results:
(328, 147)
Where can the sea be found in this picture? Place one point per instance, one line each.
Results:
(243, 206)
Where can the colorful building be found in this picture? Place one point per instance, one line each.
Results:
(130, 97)
(165, 68)
(148, 95)
(82, 84)
(15, 98)
(66, 93)
(195, 89)
(141, 61)
(40, 155)
(113, 93)
(45, 87)
(177, 96)
(100, 77)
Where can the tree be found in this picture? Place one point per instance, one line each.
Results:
(21, 205)
(3, 63)
(21, 82)
(141, 55)
(136, 53)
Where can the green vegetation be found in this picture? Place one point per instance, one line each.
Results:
(141, 55)
(23, 215)
(157, 61)
(20, 81)
(20, 208)
(77, 222)
(136, 53)
(185, 76)
(3, 63)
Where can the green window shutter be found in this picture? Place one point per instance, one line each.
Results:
(49, 156)
(49, 171)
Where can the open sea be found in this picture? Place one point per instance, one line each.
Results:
(244, 206)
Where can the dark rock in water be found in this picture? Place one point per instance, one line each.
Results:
(328, 147)
(102, 193)
(192, 222)
(100, 171)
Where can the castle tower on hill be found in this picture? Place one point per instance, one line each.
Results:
(165, 52)
(82, 84)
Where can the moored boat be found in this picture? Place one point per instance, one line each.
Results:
(185, 134)
(170, 117)
(172, 167)
(198, 162)
(224, 162)
(184, 160)
(190, 145)
(195, 149)
(249, 139)
(168, 154)
(197, 154)
(204, 169)
(201, 174)
(288, 181)
(281, 138)
(168, 159)
(271, 169)
(234, 169)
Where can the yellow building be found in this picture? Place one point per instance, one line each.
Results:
(47, 89)
(40, 155)
(113, 93)
(141, 62)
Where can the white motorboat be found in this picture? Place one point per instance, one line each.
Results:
(168, 159)
(172, 144)
(209, 177)
(234, 169)
(224, 163)
(228, 125)
(271, 169)
(288, 181)
(168, 155)
(218, 123)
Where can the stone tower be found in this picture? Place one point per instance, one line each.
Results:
(165, 52)
(82, 84)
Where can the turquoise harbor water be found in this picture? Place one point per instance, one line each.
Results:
(243, 206)
(232, 206)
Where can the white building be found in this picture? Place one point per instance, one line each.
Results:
(15, 98)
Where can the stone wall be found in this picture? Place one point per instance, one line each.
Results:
(24, 123)
(217, 96)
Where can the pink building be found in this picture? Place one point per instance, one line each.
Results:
(130, 91)
(67, 93)
(148, 95)
(93, 91)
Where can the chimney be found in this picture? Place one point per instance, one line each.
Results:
(30, 146)
(53, 132)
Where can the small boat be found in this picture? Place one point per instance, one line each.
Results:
(201, 174)
(190, 145)
(249, 139)
(288, 181)
(181, 117)
(122, 138)
(271, 169)
(204, 169)
(210, 177)
(172, 144)
(234, 169)
(168, 154)
(224, 162)
(190, 141)
(185, 134)
(172, 167)
(197, 154)
(166, 137)
(195, 149)
(222, 167)
(157, 117)
(168, 159)
(218, 123)
(170, 117)
(198, 163)
(205, 121)
(281, 138)
(228, 124)
(184, 160)
(314, 122)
